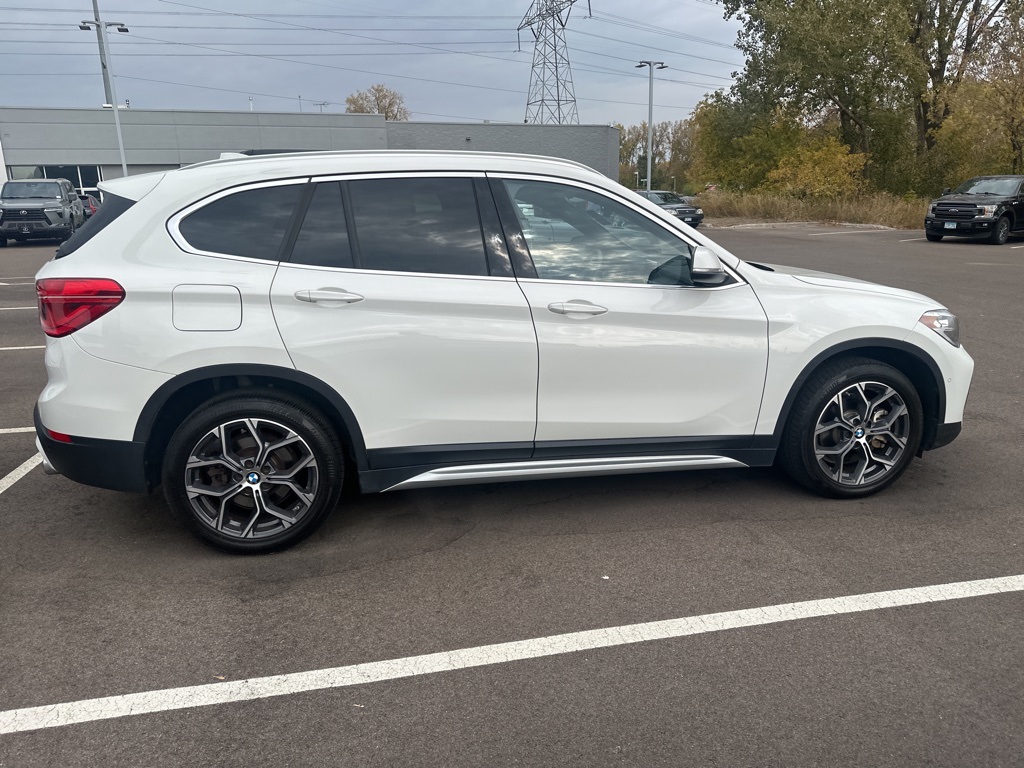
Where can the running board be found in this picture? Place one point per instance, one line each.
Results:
(535, 470)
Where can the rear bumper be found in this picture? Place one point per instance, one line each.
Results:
(117, 465)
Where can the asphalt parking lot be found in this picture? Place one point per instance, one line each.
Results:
(104, 595)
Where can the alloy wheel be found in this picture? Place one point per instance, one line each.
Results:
(862, 433)
(251, 478)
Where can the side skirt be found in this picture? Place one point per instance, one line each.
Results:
(538, 469)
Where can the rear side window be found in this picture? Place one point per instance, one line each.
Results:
(418, 225)
(113, 206)
(251, 223)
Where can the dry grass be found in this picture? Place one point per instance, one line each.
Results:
(877, 208)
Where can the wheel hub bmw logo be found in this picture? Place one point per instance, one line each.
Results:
(859, 432)
(252, 478)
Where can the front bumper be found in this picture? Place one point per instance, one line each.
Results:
(118, 465)
(961, 227)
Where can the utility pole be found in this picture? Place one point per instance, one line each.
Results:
(108, 75)
(107, 96)
(651, 65)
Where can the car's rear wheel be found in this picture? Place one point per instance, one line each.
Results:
(854, 429)
(254, 473)
(933, 238)
(1000, 232)
(3, 242)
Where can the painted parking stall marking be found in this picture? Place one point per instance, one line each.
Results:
(13, 349)
(11, 309)
(16, 474)
(16, 430)
(169, 699)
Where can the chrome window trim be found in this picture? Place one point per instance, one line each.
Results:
(629, 204)
(174, 221)
(363, 175)
(394, 273)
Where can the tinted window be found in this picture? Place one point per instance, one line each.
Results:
(575, 234)
(418, 225)
(113, 207)
(250, 223)
(323, 238)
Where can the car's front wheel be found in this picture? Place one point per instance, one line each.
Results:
(854, 429)
(933, 238)
(1001, 231)
(254, 473)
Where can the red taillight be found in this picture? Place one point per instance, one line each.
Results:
(67, 304)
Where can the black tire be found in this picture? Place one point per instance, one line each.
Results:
(933, 238)
(1000, 232)
(68, 233)
(851, 460)
(297, 485)
(3, 242)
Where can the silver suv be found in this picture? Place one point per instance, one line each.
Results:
(35, 209)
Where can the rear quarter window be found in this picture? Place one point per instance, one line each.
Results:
(250, 223)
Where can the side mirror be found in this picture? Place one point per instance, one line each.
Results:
(707, 268)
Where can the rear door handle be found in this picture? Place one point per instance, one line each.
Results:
(577, 307)
(328, 296)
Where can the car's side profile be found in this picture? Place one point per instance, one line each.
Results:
(252, 334)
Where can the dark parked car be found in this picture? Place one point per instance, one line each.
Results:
(679, 206)
(988, 207)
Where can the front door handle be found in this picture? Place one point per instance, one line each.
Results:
(577, 307)
(328, 296)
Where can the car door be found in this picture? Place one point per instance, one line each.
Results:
(393, 296)
(630, 360)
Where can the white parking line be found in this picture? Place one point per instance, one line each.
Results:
(12, 349)
(913, 239)
(56, 715)
(1014, 247)
(9, 309)
(849, 232)
(16, 430)
(1, 283)
(15, 475)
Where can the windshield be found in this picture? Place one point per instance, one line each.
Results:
(990, 186)
(666, 197)
(30, 189)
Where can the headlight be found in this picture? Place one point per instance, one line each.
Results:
(931, 209)
(53, 210)
(700, 211)
(988, 210)
(944, 323)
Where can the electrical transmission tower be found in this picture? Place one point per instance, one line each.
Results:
(551, 99)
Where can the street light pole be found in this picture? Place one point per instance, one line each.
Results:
(108, 72)
(651, 66)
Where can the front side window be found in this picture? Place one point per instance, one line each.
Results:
(575, 234)
(418, 225)
(250, 223)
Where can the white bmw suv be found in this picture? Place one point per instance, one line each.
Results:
(252, 333)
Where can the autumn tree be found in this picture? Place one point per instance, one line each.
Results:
(378, 99)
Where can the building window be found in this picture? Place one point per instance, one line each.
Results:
(84, 178)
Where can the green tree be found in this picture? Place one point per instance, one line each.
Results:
(819, 168)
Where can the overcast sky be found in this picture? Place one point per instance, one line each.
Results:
(450, 59)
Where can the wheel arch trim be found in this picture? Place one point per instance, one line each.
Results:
(353, 439)
(865, 345)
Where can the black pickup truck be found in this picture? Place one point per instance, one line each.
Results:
(989, 207)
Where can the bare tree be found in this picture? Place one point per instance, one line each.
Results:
(378, 99)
